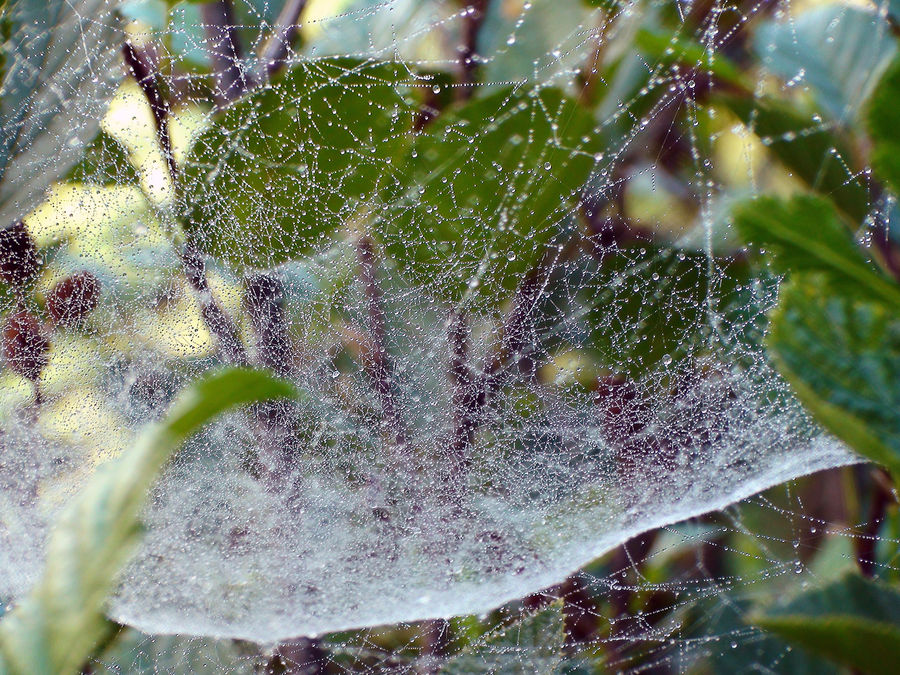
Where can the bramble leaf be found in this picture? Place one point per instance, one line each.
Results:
(57, 627)
(854, 621)
(806, 234)
(841, 355)
(489, 186)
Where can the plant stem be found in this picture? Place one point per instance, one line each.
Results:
(216, 319)
(284, 35)
(579, 611)
(265, 304)
(232, 81)
(473, 15)
(436, 640)
(141, 64)
(465, 402)
(302, 656)
(264, 301)
(473, 19)
(590, 73)
(378, 363)
(473, 393)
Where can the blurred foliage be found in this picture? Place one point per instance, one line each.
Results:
(344, 120)
(834, 335)
(61, 623)
(854, 621)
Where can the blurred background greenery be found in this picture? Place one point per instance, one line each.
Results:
(755, 137)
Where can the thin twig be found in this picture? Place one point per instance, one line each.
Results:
(279, 44)
(473, 19)
(474, 393)
(579, 611)
(216, 319)
(465, 403)
(378, 363)
(265, 304)
(232, 80)
(436, 639)
(590, 73)
(142, 68)
(301, 656)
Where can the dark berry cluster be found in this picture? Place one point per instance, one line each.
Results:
(25, 338)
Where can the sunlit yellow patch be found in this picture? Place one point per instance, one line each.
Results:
(83, 213)
(319, 11)
(82, 418)
(176, 330)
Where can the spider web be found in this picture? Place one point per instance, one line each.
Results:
(525, 334)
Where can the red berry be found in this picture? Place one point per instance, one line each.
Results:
(25, 345)
(73, 298)
(19, 262)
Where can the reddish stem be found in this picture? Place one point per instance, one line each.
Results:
(226, 54)
(284, 35)
(378, 363)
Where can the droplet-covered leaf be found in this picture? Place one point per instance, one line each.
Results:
(489, 186)
(296, 160)
(806, 234)
(841, 355)
(854, 621)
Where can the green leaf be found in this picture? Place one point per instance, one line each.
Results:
(806, 234)
(665, 49)
(104, 161)
(488, 186)
(138, 654)
(53, 94)
(532, 645)
(884, 126)
(295, 161)
(854, 621)
(543, 42)
(716, 627)
(841, 355)
(806, 147)
(839, 51)
(650, 303)
(58, 626)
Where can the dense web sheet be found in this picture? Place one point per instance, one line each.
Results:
(503, 376)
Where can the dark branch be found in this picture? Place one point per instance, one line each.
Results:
(580, 615)
(265, 304)
(232, 81)
(141, 64)
(218, 322)
(465, 399)
(473, 393)
(302, 656)
(436, 639)
(473, 19)
(377, 363)
(284, 35)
